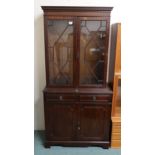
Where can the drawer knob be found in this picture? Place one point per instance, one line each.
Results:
(60, 97)
(78, 127)
(76, 90)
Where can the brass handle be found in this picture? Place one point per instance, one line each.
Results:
(78, 127)
(76, 90)
(60, 97)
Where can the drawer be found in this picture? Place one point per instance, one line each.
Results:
(59, 97)
(96, 98)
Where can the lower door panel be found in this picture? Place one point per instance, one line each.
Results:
(60, 121)
(94, 122)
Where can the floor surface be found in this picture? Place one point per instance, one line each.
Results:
(58, 150)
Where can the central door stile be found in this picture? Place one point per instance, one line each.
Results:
(78, 51)
(74, 52)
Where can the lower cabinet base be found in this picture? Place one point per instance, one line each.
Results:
(102, 144)
(77, 119)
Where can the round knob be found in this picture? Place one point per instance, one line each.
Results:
(60, 97)
(76, 90)
(78, 128)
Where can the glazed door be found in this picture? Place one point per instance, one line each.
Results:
(93, 43)
(94, 122)
(76, 51)
(60, 121)
(60, 49)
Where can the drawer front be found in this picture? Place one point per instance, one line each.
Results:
(105, 98)
(59, 97)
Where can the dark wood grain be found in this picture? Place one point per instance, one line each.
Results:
(93, 121)
(60, 124)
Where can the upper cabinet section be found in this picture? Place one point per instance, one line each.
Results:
(76, 46)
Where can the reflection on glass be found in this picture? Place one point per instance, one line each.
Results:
(60, 48)
(92, 52)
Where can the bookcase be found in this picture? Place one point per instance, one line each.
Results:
(77, 99)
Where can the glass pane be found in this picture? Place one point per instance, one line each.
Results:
(92, 52)
(60, 48)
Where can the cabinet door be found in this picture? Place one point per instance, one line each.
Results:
(94, 122)
(93, 51)
(59, 50)
(59, 121)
